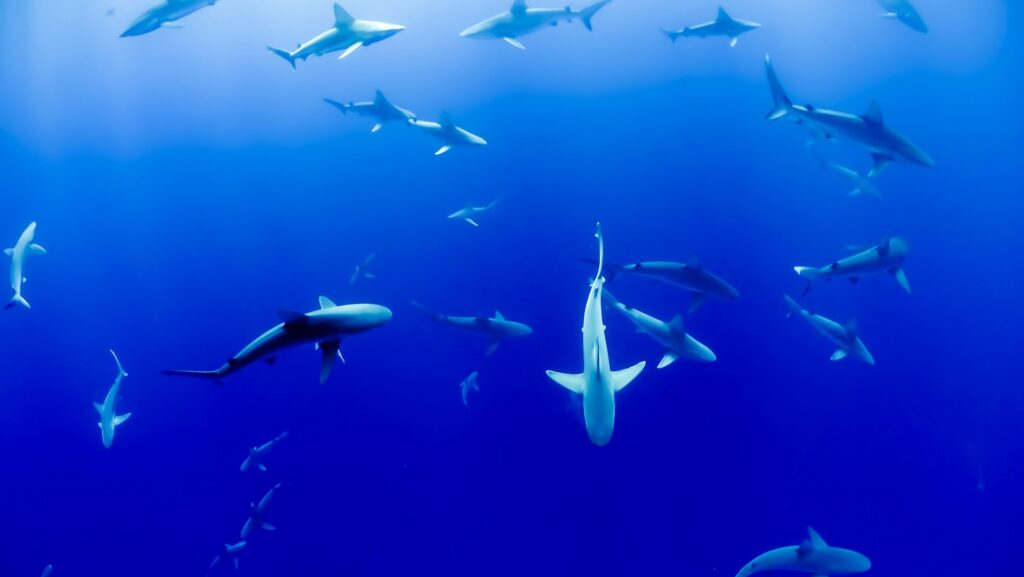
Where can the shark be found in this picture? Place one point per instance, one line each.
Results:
(165, 15)
(690, 277)
(257, 454)
(905, 12)
(861, 182)
(19, 254)
(228, 555)
(379, 109)
(361, 271)
(47, 571)
(109, 419)
(812, 556)
(496, 328)
(257, 514)
(347, 35)
(449, 134)
(598, 383)
(886, 257)
(722, 25)
(520, 20)
(868, 131)
(845, 337)
(470, 384)
(325, 327)
(672, 335)
(469, 213)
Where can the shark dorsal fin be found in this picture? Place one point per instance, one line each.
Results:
(518, 6)
(676, 324)
(874, 114)
(723, 15)
(498, 316)
(815, 540)
(695, 264)
(341, 17)
(380, 100)
(851, 328)
(326, 303)
(446, 121)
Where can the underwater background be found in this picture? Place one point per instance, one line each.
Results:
(188, 184)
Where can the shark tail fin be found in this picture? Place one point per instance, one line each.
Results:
(808, 272)
(283, 54)
(673, 35)
(18, 300)
(781, 100)
(587, 13)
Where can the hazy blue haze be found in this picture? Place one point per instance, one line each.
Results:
(188, 184)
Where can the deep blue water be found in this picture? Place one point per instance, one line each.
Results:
(188, 184)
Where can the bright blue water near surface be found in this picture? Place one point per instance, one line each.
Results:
(188, 184)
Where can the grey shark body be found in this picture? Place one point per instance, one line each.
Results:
(861, 182)
(845, 337)
(520, 20)
(18, 255)
(887, 257)
(691, 277)
(496, 328)
(672, 335)
(380, 109)
(598, 383)
(325, 327)
(164, 15)
(905, 12)
(450, 134)
(722, 25)
(868, 131)
(470, 213)
(257, 514)
(470, 384)
(257, 454)
(347, 35)
(812, 556)
(228, 555)
(109, 419)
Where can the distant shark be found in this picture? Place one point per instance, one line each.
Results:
(887, 257)
(380, 109)
(671, 335)
(520, 20)
(861, 182)
(229, 554)
(347, 35)
(109, 419)
(164, 16)
(470, 384)
(361, 271)
(469, 213)
(450, 134)
(812, 556)
(325, 327)
(496, 328)
(598, 383)
(905, 12)
(723, 25)
(47, 571)
(691, 277)
(868, 131)
(19, 254)
(258, 513)
(257, 454)
(845, 337)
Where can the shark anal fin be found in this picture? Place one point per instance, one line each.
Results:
(574, 383)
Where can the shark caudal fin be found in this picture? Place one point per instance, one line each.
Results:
(782, 104)
(283, 54)
(587, 13)
(18, 300)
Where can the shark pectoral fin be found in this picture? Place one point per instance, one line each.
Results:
(171, 25)
(120, 419)
(669, 358)
(839, 355)
(696, 300)
(492, 346)
(262, 467)
(376, 127)
(36, 250)
(9, 251)
(622, 378)
(443, 150)
(268, 527)
(901, 277)
(514, 42)
(328, 352)
(472, 222)
(348, 51)
(99, 408)
(881, 162)
(572, 382)
(733, 41)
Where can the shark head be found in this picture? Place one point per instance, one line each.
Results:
(480, 29)
(374, 32)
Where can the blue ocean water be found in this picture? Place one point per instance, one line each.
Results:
(188, 184)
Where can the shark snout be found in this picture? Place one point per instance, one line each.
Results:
(474, 30)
